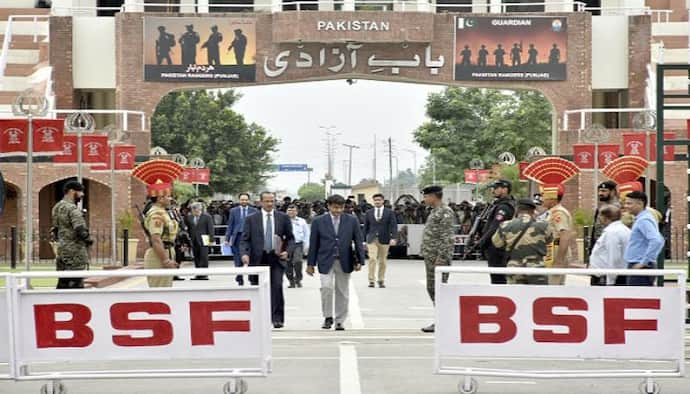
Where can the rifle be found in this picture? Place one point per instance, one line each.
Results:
(142, 221)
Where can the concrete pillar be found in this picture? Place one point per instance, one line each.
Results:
(268, 5)
(202, 6)
(188, 6)
(495, 6)
(559, 7)
(479, 6)
(424, 6)
(62, 8)
(349, 5)
(130, 7)
(326, 5)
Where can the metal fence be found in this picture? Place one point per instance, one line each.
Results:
(13, 246)
(675, 250)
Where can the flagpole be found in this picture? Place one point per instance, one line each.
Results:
(113, 231)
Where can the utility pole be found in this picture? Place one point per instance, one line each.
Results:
(330, 148)
(349, 172)
(414, 159)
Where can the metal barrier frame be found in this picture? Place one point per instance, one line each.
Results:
(469, 385)
(17, 285)
(10, 332)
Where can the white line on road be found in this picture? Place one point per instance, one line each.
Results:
(355, 311)
(349, 369)
(509, 382)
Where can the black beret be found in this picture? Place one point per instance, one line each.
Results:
(501, 183)
(526, 203)
(432, 189)
(73, 185)
(611, 185)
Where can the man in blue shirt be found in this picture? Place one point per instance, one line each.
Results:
(645, 242)
(233, 235)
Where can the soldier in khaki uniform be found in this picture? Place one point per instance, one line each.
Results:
(524, 239)
(71, 235)
(160, 228)
(437, 240)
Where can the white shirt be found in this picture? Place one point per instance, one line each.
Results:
(300, 230)
(264, 216)
(609, 249)
(378, 213)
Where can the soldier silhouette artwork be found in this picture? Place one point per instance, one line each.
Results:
(554, 55)
(466, 56)
(212, 46)
(515, 55)
(532, 55)
(483, 54)
(499, 53)
(164, 45)
(239, 45)
(188, 43)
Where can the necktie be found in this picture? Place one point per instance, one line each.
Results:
(268, 236)
(244, 213)
(336, 223)
(196, 220)
(378, 213)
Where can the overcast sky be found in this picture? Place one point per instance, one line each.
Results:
(294, 112)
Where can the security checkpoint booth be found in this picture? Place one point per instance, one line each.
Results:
(58, 335)
(559, 326)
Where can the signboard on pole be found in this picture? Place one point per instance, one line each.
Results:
(292, 168)
(515, 48)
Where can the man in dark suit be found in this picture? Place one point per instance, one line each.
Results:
(265, 239)
(200, 224)
(381, 230)
(333, 236)
(233, 234)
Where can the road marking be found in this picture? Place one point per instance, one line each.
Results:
(349, 369)
(355, 311)
(509, 382)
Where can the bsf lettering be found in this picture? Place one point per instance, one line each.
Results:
(615, 323)
(202, 324)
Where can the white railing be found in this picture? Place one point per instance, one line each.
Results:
(650, 88)
(80, 10)
(583, 114)
(7, 41)
(399, 5)
(659, 13)
(123, 113)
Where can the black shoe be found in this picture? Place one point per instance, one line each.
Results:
(381, 285)
(339, 327)
(430, 328)
(291, 285)
(177, 278)
(327, 323)
(240, 283)
(200, 277)
(277, 325)
(371, 284)
(299, 284)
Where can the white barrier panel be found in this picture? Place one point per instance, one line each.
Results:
(218, 323)
(560, 322)
(5, 321)
(140, 325)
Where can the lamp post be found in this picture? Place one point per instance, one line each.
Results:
(197, 163)
(414, 159)
(349, 171)
(330, 146)
(596, 134)
(646, 123)
(533, 152)
(476, 165)
(115, 136)
(29, 104)
(80, 123)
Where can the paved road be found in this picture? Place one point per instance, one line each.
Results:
(381, 352)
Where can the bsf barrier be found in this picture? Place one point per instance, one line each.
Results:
(5, 330)
(219, 325)
(519, 323)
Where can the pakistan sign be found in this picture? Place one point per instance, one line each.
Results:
(511, 48)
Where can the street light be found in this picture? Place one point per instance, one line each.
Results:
(80, 123)
(29, 104)
(197, 163)
(116, 136)
(414, 158)
(476, 165)
(330, 146)
(349, 171)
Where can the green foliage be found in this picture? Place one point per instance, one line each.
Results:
(311, 191)
(125, 220)
(404, 179)
(183, 191)
(512, 174)
(582, 217)
(202, 124)
(472, 123)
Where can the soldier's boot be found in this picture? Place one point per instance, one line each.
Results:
(430, 328)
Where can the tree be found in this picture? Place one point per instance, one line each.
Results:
(202, 124)
(311, 191)
(472, 123)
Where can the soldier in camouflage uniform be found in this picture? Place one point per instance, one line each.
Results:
(437, 240)
(529, 249)
(71, 234)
